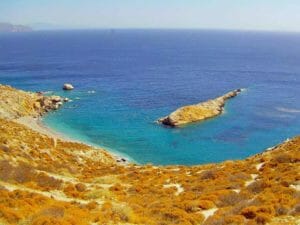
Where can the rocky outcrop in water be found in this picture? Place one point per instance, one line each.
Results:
(68, 87)
(198, 112)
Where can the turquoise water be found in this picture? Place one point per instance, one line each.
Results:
(125, 79)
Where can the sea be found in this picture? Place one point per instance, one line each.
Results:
(126, 79)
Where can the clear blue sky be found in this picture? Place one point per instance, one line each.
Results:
(226, 14)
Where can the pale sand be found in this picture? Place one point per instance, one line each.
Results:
(37, 125)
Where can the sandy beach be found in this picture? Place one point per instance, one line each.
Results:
(36, 124)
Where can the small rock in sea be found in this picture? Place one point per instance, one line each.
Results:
(55, 107)
(56, 99)
(66, 99)
(68, 87)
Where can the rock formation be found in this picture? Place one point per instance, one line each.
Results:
(16, 103)
(68, 87)
(198, 112)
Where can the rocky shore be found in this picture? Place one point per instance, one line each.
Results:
(198, 112)
(49, 180)
(17, 103)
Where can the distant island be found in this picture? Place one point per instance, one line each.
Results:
(8, 27)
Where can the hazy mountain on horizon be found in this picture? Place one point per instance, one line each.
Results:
(47, 26)
(8, 27)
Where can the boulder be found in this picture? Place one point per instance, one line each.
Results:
(55, 107)
(56, 99)
(37, 105)
(68, 87)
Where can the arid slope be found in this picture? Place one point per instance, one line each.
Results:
(44, 180)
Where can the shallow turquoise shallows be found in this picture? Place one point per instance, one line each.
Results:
(125, 79)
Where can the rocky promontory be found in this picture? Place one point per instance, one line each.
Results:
(16, 103)
(198, 112)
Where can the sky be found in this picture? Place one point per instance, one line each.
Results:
(278, 15)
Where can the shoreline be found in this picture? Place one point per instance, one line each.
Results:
(37, 125)
(51, 179)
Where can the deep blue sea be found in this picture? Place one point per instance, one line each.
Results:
(125, 79)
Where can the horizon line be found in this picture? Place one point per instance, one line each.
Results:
(164, 28)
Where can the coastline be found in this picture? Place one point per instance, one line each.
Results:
(37, 124)
(68, 182)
